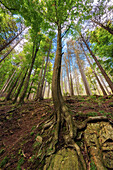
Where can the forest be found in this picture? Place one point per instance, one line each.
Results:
(56, 84)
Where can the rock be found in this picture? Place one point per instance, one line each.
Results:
(39, 139)
(99, 138)
(64, 159)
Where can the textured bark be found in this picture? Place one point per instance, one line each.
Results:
(31, 85)
(67, 71)
(5, 84)
(104, 83)
(44, 88)
(48, 93)
(15, 88)
(71, 82)
(61, 83)
(20, 86)
(40, 95)
(65, 84)
(98, 64)
(77, 82)
(5, 55)
(28, 76)
(9, 82)
(105, 27)
(12, 88)
(6, 44)
(86, 85)
(39, 81)
(102, 88)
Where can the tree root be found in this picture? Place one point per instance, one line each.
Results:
(79, 154)
(97, 118)
(63, 117)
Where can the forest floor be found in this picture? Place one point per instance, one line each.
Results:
(20, 126)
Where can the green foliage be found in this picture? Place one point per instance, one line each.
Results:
(93, 166)
(2, 151)
(20, 162)
(32, 133)
(8, 27)
(102, 43)
(4, 162)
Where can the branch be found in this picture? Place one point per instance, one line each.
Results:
(8, 7)
(66, 31)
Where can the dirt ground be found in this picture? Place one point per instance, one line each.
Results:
(20, 125)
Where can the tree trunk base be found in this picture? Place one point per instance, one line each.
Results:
(73, 146)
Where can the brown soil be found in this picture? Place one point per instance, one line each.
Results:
(19, 127)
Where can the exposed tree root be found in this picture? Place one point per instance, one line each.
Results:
(64, 119)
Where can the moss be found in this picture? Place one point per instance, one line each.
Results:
(92, 114)
(93, 166)
(20, 162)
(2, 151)
(4, 162)
(32, 133)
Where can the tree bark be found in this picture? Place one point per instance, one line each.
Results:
(20, 86)
(48, 90)
(12, 88)
(7, 87)
(77, 82)
(31, 85)
(86, 85)
(67, 71)
(71, 82)
(105, 27)
(40, 96)
(102, 88)
(99, 65)
(39, 81)
(28, 77)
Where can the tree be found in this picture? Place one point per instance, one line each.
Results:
(102, 44)
(36, 45)
(55, 14)
(99, 65)
(102, 88)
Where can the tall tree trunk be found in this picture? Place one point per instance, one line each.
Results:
(59, 105)
(104, 83)
(31, 85)
(28, 76)
(86, 85)
(99, 65)
(72, 91)
(67, 71)
(4, 56)
(44, 88)
(71, 82)
(8, 86)
(12, 88)
(40, 97)
(61, 81)
(48, 93)
(102, 88)
(20, 86)
(5, 84)
(98, 90)
(105, 27)
(101, 78)
(77, 82)
(65, 84)
(6, 44)
(39, 81)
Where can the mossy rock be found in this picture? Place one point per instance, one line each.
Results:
(64, 159)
